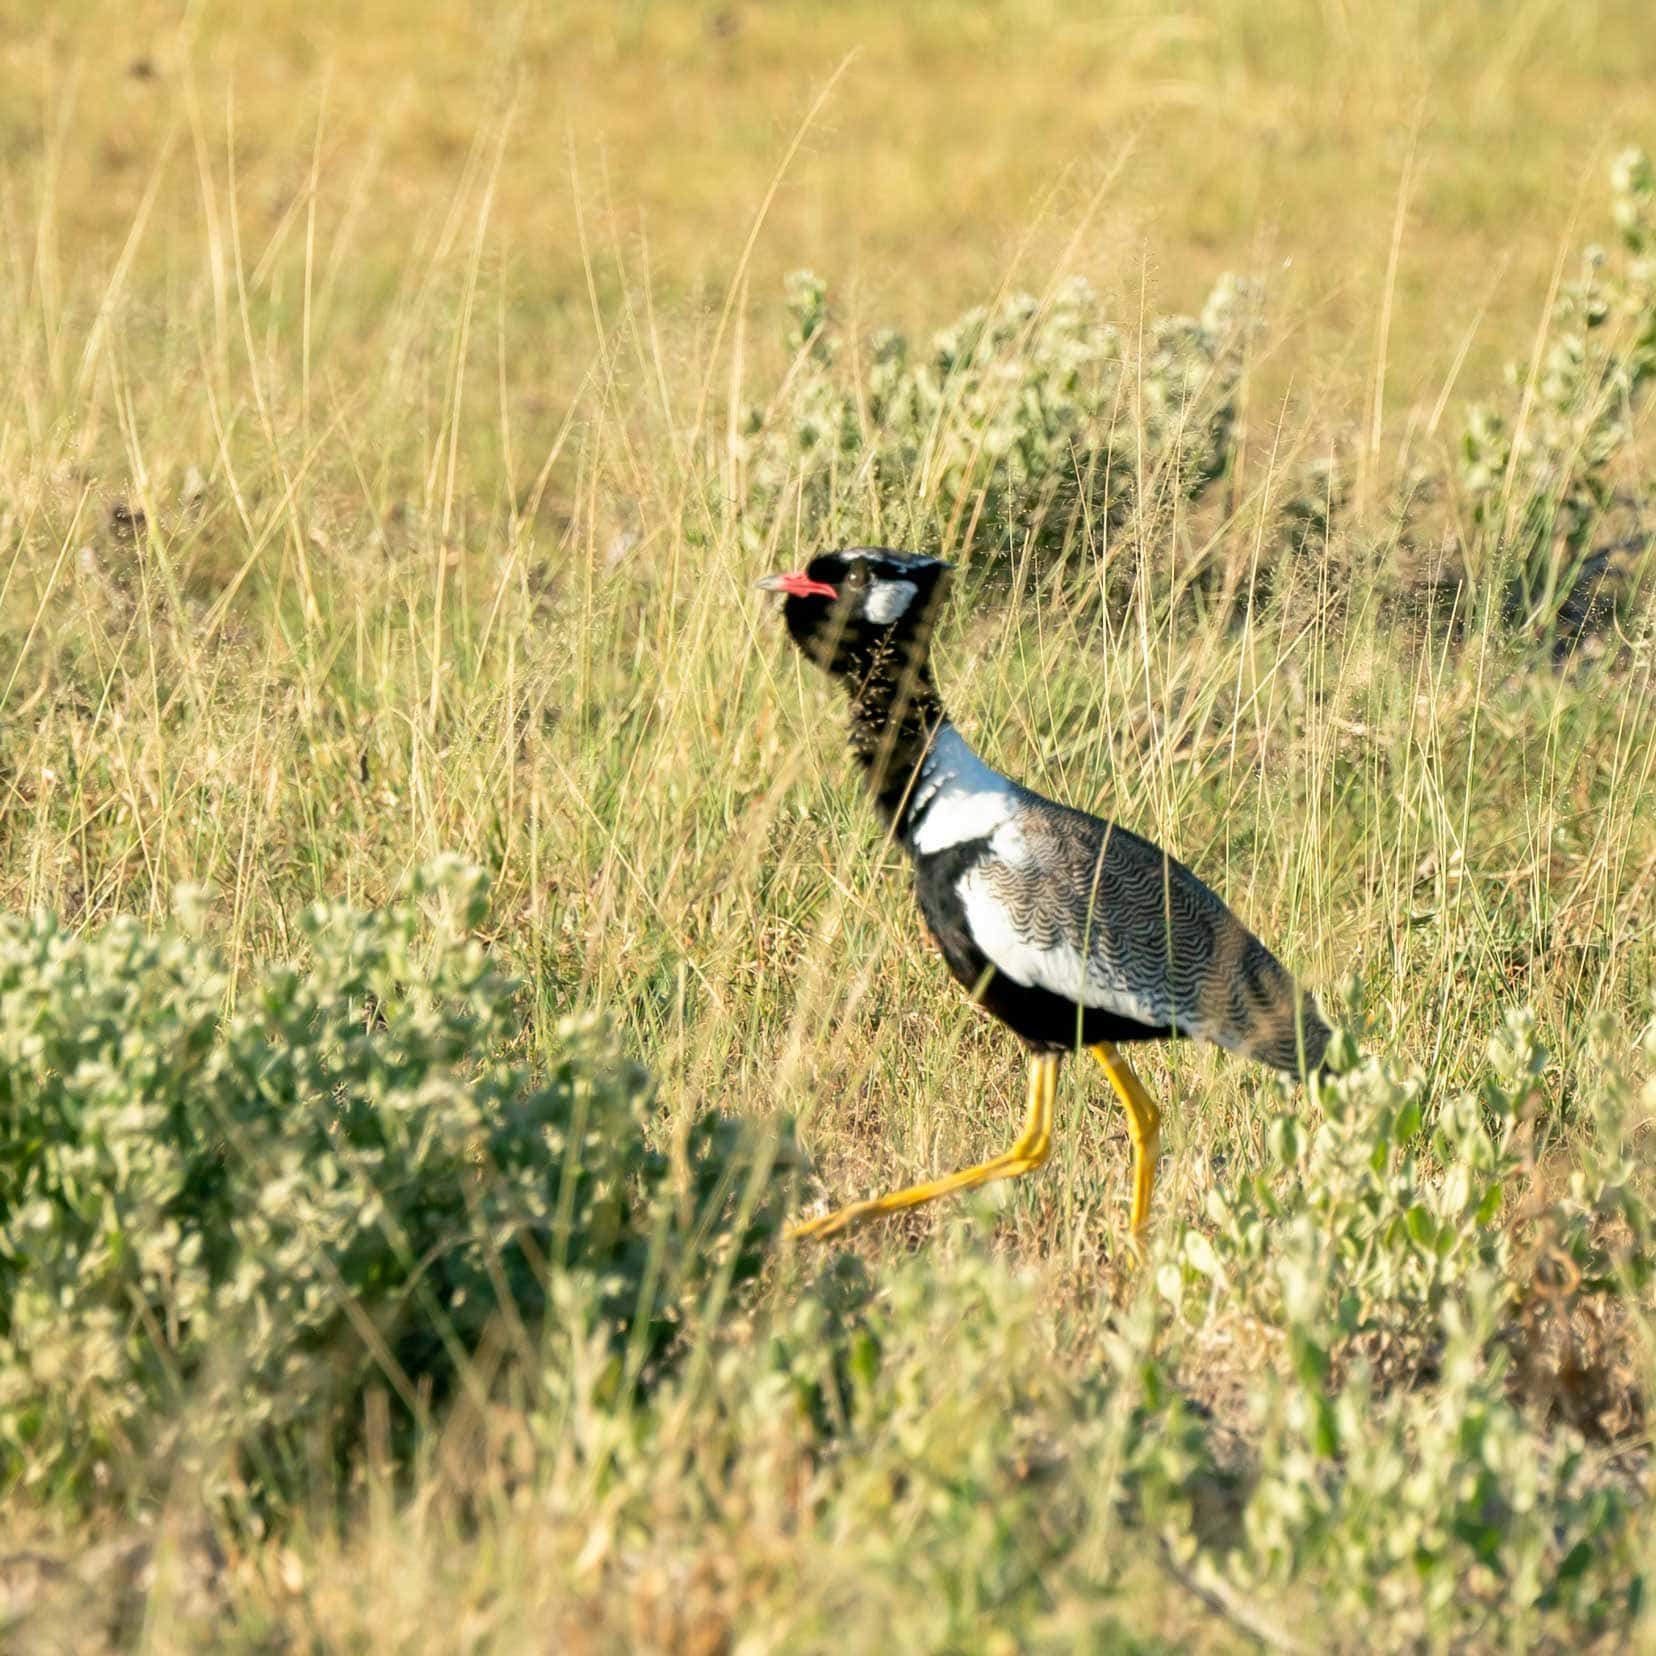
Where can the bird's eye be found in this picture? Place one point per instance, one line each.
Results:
(857, 577)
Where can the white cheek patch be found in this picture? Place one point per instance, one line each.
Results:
(887, 600)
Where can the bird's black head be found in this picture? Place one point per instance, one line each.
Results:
(857, 610)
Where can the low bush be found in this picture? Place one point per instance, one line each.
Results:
(1024, 426)
(1399, 1243)
(1539, 469)
(1035, 427)
(219, 1229)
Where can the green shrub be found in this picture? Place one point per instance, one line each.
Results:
(1024, 424)
(1389, 1246)
(914, 1449)
(1539, 474)
(216, 1231)
(1447, 1517)
(1370, 1220)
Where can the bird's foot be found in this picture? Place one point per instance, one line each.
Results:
(830, 1224)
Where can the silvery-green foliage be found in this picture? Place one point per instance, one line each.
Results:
(217, 1229)
(1379, 1243)
(1315, 495)
(1370, 1218)
(1024, 423)
(1537, 468)
(1444, 1514)
(921, 1422)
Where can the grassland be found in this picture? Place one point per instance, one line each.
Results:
(372, 486)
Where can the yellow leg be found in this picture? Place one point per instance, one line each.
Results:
(1033, 1147)
(1143, 1128)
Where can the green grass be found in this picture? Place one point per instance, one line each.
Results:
(419, 343)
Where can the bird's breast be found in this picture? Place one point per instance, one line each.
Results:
(958, 800)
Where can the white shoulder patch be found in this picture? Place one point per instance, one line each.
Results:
(958, 797)
(887, 600)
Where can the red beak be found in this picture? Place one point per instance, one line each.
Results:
(798, 586)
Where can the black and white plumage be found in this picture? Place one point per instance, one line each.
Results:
(1071, 930)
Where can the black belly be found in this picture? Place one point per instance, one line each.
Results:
(1048, 1022)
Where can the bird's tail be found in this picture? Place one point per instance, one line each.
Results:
(1294, 1038)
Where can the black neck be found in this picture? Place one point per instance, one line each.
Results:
(895, 712)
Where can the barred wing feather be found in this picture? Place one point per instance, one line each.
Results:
(1092, 912)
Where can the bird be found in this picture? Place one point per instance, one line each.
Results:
(1074, 932)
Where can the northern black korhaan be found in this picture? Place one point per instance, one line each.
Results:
(1071, 930)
